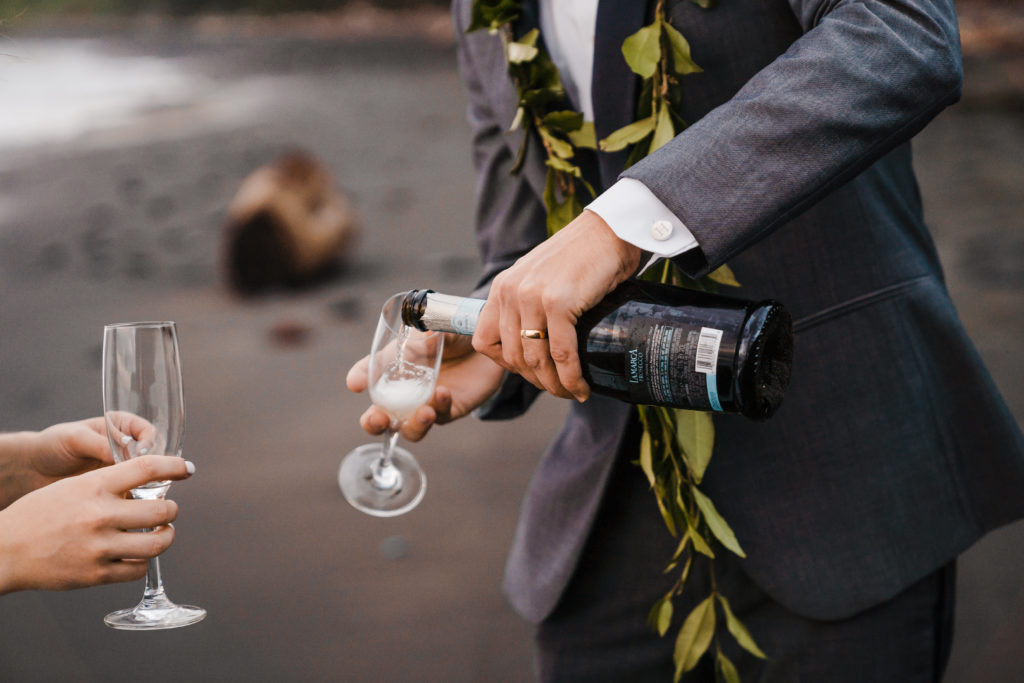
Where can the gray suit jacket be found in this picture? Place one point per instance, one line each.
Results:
(893, 451)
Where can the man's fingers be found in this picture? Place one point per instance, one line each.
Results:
(442, 404)
(145, 514)
(417, 426)
(535, 357)
(141, 545)
(564, 352)
(487, 336)
(358, 375)
(374, 420)
(129, 474)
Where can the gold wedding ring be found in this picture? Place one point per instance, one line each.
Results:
(533, 334)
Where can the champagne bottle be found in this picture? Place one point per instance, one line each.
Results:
(659, 345)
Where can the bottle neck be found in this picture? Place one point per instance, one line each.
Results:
(444, 312)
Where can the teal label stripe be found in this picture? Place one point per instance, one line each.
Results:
(713, 391)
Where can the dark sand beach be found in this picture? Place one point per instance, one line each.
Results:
(113, 190)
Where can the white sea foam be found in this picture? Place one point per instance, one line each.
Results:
(57, 90)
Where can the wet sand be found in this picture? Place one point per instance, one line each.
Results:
(123, 222)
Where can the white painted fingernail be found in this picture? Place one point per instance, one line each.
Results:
(190, 467)
(143, 450)
(125, 439)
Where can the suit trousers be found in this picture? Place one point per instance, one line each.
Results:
(599, 631)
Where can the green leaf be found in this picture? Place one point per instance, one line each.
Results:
(719, 527)
(664, 619)
(530, 37)
(739, 631)
(696, 434)
(727, 669)
(642, 50)
(652, 615)
(585, 137)
(563, 213)
(700, 543)
(678, 121)
(627, 135)
(663, 130)
(670, 521)
(520, 159)
(536, 99)
(646, 462)
(550, 201)
(564, 166)
(683, 575)
(723, 276)
(521, 52)
(645, 101)
(705, 4)
(563, 121)
(695, 636)
(542, 73)
(517, 121)
(590, 189)
(681, 547)
(559, 147)
(681, 60)
(636, 153)
(492, 14)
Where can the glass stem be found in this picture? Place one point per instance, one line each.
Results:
(154, 597)
(154, 582)
(390, 439)
(385, 476)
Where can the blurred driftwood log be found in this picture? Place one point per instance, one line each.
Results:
(286, 226)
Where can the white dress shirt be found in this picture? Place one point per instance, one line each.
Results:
(628, 207)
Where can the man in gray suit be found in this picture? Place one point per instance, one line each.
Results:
(892, 452)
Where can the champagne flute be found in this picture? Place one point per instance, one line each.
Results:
(383, 479)
(144, 409)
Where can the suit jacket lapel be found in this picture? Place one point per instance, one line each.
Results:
(614, 85)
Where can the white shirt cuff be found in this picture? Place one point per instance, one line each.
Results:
(636, 216)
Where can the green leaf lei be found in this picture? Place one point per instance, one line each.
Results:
(676, 445)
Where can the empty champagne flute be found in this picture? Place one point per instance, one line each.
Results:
(144, 409)
(383, 479)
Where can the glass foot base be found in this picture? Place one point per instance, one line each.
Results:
(148, 618)
(382, 494)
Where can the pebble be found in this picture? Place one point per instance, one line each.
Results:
(394, 547)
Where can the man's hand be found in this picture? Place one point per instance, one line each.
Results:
(548, 289)
(466, 380)
(75, 532)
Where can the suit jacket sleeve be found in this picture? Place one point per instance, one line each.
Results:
(510, 219)
(864, 77)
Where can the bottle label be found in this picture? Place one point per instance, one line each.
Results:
(466, 314)
(706, 362)
(673, 364)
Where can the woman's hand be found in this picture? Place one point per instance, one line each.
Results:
(30, 460)
(76, 531)
(70, 448)
(466, 380)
